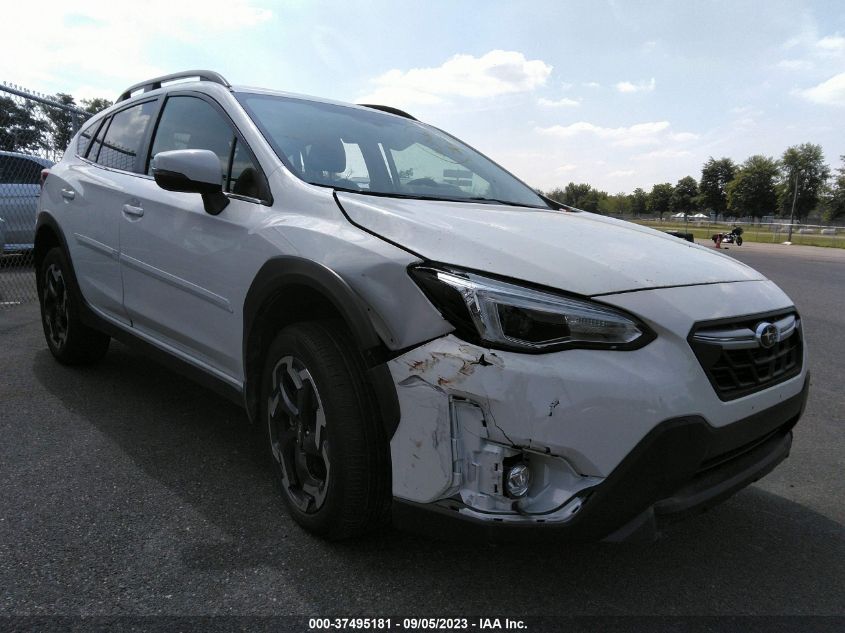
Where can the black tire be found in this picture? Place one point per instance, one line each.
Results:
(739, 240)
(69, 339)
(333, 469)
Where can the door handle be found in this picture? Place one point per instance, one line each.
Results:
(128, 209)
(68, 194)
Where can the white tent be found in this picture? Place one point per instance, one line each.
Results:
(678, 215)
(699, 216)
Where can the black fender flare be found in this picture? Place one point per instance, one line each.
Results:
(291, 270)
(45, 221)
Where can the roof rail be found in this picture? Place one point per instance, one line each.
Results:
(156, 82)
(389, 109)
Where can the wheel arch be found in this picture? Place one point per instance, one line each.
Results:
(291, 289)
(49, 235)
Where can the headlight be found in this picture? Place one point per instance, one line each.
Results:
(509, 316)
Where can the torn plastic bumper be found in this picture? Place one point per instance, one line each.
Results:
(682, 467)
(468, 414)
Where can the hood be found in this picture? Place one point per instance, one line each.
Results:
(581, 252)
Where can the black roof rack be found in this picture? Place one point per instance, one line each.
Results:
(156, 82)
(389, 109)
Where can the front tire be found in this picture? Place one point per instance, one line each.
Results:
(738, 240)
(328, 447)
(70, 341)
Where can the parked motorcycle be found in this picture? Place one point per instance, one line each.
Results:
(734, 237)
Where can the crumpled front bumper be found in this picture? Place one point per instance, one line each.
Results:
(608, 436)
(682, 467)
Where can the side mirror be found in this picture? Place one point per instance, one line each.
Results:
(192, 171)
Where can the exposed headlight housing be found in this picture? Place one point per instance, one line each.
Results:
(506, 315)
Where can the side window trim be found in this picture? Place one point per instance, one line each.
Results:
(104, 127)
(239, 138)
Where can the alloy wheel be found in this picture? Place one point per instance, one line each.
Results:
(297, 426)
(56, 308)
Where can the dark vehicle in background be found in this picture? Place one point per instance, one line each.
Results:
(689, 237)
(20, 185)
(734, 237)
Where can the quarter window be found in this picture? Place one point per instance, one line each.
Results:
(85, 138)
(125, 136)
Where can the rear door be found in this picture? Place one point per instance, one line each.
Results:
(96, 192)
(184, 271)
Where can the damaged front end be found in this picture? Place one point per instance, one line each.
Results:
(450, 451)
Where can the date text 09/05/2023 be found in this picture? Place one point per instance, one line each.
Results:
(415, 624)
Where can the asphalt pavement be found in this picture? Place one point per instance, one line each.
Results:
(127, 490)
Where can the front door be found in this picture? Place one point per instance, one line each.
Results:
(183, 269)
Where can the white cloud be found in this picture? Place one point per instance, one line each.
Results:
(621, 173)
(566, 167)
(495, 73)
(795, 64)
(110, 44)
(558, 103)
(566, 86)
(830, 92)
(663, 153)
(831, 44)
(641, 86)
(683, 137)
(591, 84)
(639, 134)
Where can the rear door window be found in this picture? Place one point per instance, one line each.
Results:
(97, 143)
(124, 137)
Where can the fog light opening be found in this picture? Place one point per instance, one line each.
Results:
(517, 480)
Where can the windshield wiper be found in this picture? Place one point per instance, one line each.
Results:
(408, 196)
(507, 202)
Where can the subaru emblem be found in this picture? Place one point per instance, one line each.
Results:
(767, 335)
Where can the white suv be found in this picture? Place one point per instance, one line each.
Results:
(409, 325)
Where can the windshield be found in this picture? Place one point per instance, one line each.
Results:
(370, 152)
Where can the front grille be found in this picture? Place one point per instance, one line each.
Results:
(735, 361)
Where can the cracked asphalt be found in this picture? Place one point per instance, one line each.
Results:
(127, 490)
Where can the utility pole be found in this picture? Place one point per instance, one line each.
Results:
(792, 215)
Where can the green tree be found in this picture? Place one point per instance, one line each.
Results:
(639, 202)
(21, 130)
(593, 200)
(684, 195)
(61, 124)
(713, 188)
(576, 193)
(835, 203)
(802, 164)
(618, 204)
(660, 198)
(752, 191)
(95, 105)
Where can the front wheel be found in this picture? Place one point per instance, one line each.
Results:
(329, 450)
(70, 341)
(739, 240)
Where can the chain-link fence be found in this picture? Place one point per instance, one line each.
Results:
(35, 130)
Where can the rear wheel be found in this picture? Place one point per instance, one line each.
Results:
(69, 339)
(329, 450)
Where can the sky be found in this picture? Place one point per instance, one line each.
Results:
(619, 94)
